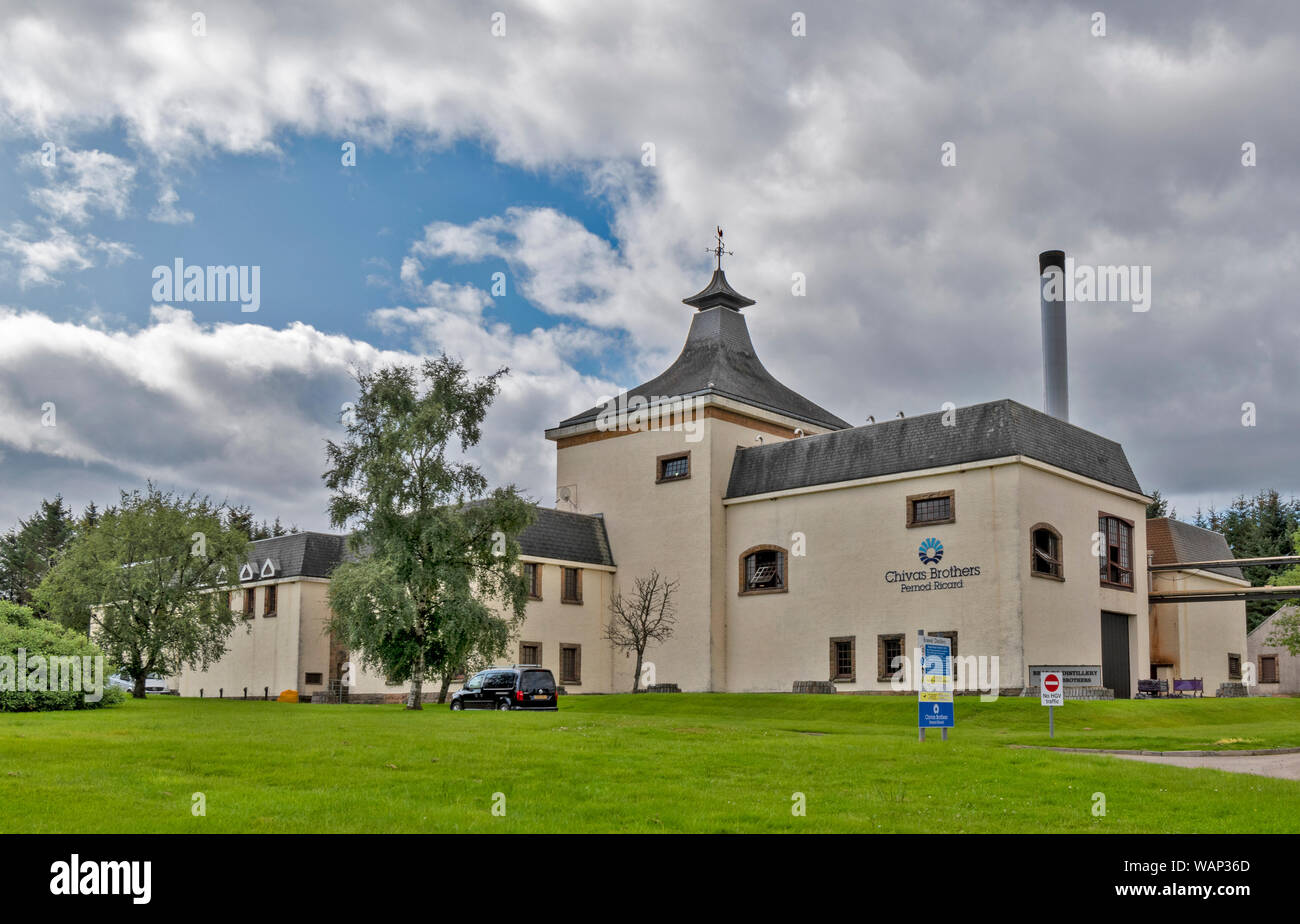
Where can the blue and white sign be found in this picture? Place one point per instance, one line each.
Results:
(934, 693)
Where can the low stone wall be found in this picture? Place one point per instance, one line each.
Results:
(814, 686)
(1232, 689)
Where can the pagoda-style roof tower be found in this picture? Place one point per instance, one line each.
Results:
(719, 359)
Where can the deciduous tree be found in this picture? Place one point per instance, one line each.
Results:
(647, 615)
(146, 583)
(435, 549)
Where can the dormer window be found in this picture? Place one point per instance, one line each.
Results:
(673, 467)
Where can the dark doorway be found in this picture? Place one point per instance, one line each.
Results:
(1114, 654)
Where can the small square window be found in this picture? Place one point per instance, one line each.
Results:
(931, 509)
(530, 652)
(676, 467)
(309, 679)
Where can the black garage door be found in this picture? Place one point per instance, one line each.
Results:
(1114, 653)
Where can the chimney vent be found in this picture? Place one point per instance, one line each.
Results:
(1056, 378)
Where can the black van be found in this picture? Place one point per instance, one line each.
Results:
(524, 686)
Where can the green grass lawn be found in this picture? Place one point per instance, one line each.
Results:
(688, 762)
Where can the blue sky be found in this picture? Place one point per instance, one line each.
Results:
(819, 153)
(329, 238)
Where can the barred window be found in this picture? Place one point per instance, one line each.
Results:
(1268, 668)
(931, 509)
(843, 661)
(673, 468)
(570, 664)
(1234, 667)
(530, 653)
(888, 647)
(572, 586)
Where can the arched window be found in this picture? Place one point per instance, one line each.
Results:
(1045, 552)
(762, 570)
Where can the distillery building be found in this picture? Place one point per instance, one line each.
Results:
(807, 549)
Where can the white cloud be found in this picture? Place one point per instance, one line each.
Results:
(82, 182)
(166, 212)
(818, 155)
(43, 256)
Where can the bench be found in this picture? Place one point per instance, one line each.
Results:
(1191, 685)
(1154, 688)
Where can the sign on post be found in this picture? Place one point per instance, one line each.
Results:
(1052, 690)
(934, 693)
(1051, 693)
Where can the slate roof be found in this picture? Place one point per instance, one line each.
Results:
(567, 536)
(719, 359)
(554, 534)
(981, 431)
(298, 555)
(1174, 541)
(718, 292)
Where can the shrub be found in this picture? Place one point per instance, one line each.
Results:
(36, 637)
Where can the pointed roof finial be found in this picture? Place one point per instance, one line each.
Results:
(718, 292)
(717, 250)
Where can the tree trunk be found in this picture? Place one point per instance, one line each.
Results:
(416, 698)
(137, 692)
(442, 690)
(636, 678)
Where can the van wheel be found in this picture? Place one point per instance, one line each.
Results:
(503, 705)
(456, 705)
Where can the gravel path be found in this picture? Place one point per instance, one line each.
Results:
(1284, 766)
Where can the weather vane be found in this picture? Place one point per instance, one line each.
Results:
(717, 250)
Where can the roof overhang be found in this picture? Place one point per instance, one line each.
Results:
(663, 415)
(944, 470)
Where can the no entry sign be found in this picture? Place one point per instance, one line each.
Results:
(1051, 691)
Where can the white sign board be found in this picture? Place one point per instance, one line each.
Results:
(1051, 690)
